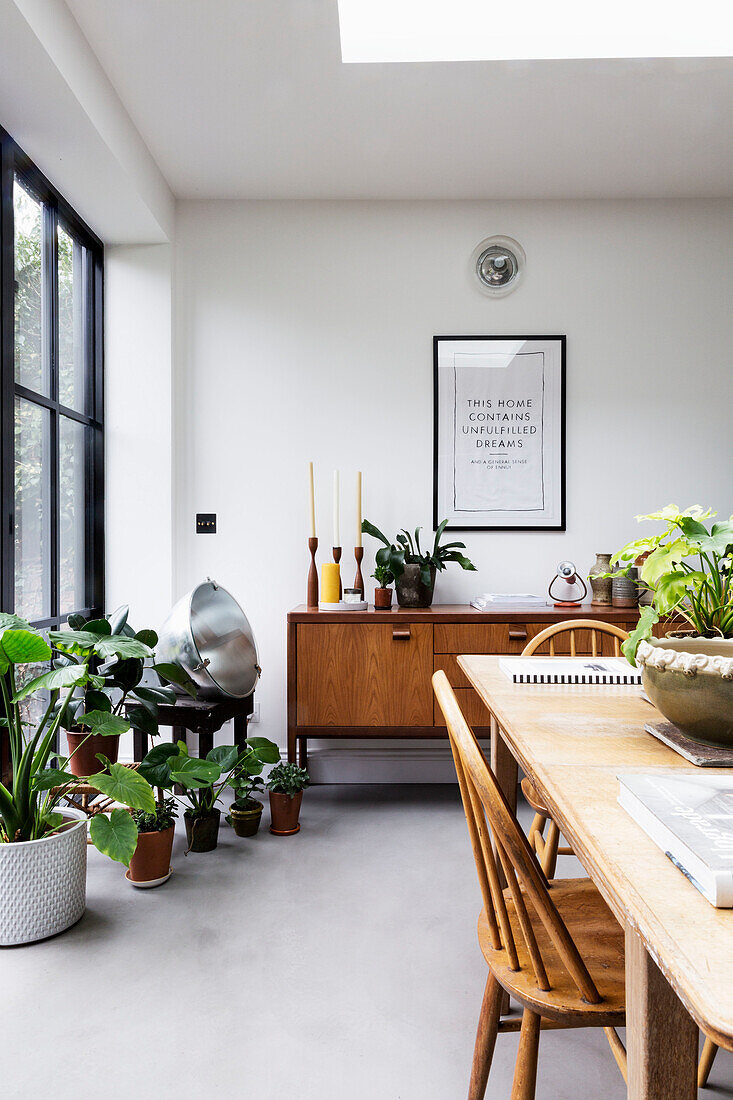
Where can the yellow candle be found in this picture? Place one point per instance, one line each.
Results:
(312, 500)
(358, 508)
(330, 582)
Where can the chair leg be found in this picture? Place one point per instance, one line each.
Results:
(549, 856)
(525, 1071)
(488, 1026)
(707, 1058)
(535, 830)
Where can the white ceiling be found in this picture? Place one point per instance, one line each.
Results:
(249, 99)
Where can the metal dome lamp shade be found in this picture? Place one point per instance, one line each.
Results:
(209, 636)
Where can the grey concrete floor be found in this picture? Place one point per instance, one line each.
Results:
(340, 963)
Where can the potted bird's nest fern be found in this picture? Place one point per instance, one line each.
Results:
(413, 569)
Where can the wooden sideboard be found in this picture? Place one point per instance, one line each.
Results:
(354, 674)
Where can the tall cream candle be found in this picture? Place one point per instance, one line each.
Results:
(312, 500)
(358, 508)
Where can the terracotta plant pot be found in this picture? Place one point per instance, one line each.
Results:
(202, 831)
(152, 858)
(411, 592)
(382, 599)
(246, 822)
(84, 761)
(284, 811)
(690, 680)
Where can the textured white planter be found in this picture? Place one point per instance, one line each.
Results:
(43, 885)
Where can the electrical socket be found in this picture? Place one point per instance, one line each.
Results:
(254, 718)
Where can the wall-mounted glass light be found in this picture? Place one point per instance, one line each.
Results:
(498, 264)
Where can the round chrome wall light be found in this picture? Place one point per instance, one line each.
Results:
(498, 264)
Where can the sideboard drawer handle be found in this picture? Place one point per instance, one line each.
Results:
(518, 635)
(400, 633)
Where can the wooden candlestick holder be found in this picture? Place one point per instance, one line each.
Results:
(312, 594)
(358, 579)
(337, 559)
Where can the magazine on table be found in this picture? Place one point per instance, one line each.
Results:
(690, 818)
(569, 670)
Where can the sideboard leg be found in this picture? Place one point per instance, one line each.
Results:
(303, 752)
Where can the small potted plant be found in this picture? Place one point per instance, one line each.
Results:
(382, 593)
(414, 570)
(203, 781)
(151, 863)
(245, 811)
(286, 783)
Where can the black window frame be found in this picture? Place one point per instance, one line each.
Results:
(14, 162)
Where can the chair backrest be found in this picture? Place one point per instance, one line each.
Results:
(486, 809)
(579, 646)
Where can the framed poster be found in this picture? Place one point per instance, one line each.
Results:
(499, 432)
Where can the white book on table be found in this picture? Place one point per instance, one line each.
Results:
(690, 818)
(569, 670)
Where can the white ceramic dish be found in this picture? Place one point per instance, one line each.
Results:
(151, 883)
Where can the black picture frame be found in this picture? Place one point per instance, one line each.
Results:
(561, 526)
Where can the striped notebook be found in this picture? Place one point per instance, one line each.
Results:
(570, 670)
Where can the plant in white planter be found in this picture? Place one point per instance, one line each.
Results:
(42, 845)
(687, 568)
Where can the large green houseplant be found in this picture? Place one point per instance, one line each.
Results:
(122, 662)
(46, 885)
(413, 569)
(687, 569)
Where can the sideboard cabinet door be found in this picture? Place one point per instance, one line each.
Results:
(365, 674)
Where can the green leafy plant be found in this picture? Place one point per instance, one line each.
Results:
(382, 575)
(687, 568)
(204, 780)
(405, 550)
(120, 660)
(287, 778)
(30, 801)
(245, 787)
(162, 817)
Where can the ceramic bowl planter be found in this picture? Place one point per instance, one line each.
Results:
(151, 863)
(284, 813)
(43, 884)
(690, 680)
(84, 760)
(246, 822)
(382, 599)
(202, 830)
(411, 592)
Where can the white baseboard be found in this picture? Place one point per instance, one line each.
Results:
(430, 764)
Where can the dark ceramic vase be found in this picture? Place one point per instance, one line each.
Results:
(202, 831)
(411, 592)
(246, 822)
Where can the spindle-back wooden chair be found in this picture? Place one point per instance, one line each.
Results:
(555, 948)
(588, 644)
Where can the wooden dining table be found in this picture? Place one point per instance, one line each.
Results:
(573, 742)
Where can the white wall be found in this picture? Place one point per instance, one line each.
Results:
(138, 431)
(304, 332)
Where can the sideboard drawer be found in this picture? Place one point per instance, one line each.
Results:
(365, 674)
(474, 711)
(448, 662)
(480, 638)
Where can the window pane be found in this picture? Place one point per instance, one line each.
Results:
(71, 515)
(71, 321)
(32, 511)
(31, 358)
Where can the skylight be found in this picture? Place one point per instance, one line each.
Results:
(501, 30)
